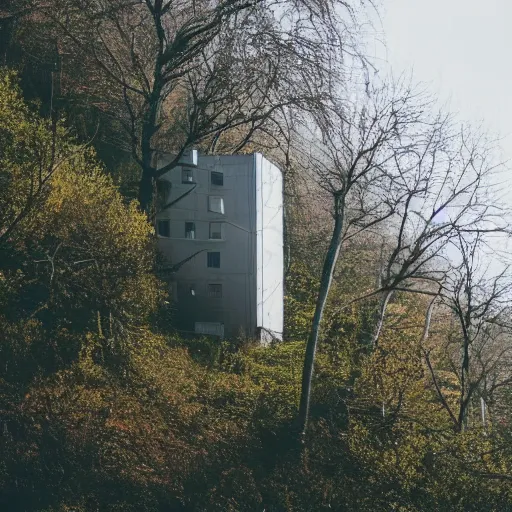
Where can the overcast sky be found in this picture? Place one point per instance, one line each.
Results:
(463, 49)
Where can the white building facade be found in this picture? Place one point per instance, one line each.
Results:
(230, 219)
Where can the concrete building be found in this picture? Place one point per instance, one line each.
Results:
(232, 221)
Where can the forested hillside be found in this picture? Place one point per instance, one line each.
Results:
(391, 390)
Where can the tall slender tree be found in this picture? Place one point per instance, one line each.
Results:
(389, 159)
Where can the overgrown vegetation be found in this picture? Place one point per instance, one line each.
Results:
(104, 407)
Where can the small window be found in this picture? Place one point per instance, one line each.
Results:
(187, 176)
(216, 204)
(164, 228)
(215, 230)
(215, 291)
(217, 178)
(211, 328)
(190, 230)
(213, 260)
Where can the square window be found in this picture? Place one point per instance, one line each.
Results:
(190, 230)
(164, 228)
(217, 178)
(213, 259)
(215, 230)
(216, 204)
(215, 291)
(187, 176)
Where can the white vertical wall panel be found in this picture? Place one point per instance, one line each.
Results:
(269, 236)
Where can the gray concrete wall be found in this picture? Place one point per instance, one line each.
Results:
(238, 307)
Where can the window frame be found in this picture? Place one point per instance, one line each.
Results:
(167, 222)
(217, 174)
(193, 230)
(210, 208)
(221, 231)
(185, 171)
(213, 259)
(214, 290)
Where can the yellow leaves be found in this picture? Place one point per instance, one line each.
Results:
(58, 207)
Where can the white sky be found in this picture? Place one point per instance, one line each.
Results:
(462, 49)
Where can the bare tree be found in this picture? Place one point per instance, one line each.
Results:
(444, 246)
(355, 165)
(449, 183)
(180, 73)
(478, 348)
(390, 163)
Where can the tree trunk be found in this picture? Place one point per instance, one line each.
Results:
(379, 318)
(149, 127)
(146, 190)
(325, 284)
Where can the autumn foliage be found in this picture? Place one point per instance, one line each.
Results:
(102, 411)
